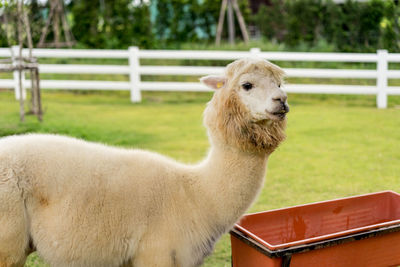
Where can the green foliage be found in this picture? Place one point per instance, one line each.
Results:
(8, 18)
(391, 27)
(358, 25)
(8, 29)
(269, 20)
(37, 14)
(346, 26)
(7, 3)
(351, 26)
(180, 21)
(176, 20)
(371, 16)
(86, 21)
(115, 24)
(3, 37)
(304, 25)
(304, 22)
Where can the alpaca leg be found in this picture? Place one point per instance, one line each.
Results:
(14, 237)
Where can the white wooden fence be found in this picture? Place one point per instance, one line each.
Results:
(382, 73)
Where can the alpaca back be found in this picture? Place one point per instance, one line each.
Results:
(76, 191)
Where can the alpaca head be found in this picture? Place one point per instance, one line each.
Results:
(249, 107)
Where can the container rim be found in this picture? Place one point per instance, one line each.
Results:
(287, 252)
(322, 237)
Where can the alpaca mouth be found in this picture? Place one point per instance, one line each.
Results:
(281, 113)
(278, 115)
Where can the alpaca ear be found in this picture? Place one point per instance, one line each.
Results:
(213, 81)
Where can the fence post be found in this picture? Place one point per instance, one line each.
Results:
(255, 51)
(15, 55)
(134, 74)
(382, 80)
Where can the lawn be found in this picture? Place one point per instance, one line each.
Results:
(337, 146)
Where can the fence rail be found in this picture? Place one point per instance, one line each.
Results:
(134, 70)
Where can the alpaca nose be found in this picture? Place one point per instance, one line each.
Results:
(286, 107)
(282, 101)
(281, 98)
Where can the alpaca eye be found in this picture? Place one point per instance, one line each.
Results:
(247, 86)
(279, 86)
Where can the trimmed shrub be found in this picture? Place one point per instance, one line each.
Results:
(351, 26)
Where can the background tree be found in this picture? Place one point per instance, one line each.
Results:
(391, 27)
(37, 13)
(350, 27)
(111, 23)
(179, 21)
(271, 20)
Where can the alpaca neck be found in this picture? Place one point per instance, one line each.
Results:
(232, 179)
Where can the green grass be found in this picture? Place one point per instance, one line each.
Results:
(337, 146)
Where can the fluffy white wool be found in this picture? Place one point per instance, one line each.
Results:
(84, 204)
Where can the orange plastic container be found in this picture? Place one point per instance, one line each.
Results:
(349, 232)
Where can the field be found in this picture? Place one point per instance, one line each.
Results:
(337, 146)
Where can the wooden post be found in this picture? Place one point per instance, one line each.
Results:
(14, 56)
(134, 74)
(21, 99)
(232, 5)
(20, 61)
(56, 19)
(34, 92)
(56, 22)
(382, 80)
(27, 31)
(16, 62)
(69, 38)
(220, 22)
(231, 23)
(241, 21)
(38, 96)
(46, 27)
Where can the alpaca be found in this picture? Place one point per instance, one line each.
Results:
(85, 204)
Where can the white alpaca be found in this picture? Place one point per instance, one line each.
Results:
(85, 204)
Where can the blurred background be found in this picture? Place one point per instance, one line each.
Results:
(301, 25)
